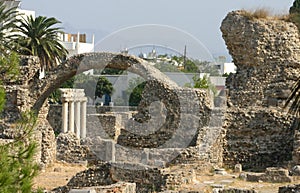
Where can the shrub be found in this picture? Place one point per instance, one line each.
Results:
(261, 13)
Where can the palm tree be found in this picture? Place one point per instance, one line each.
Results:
(294, 99)
(39, 37)
(7, 25)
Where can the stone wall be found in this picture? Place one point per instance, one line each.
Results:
(266, 52)
(234, 190)
(18, 101)
(69, 148)
(172, 126)
(177, 115)
(147, 179)
(289, 188)
(271, 175)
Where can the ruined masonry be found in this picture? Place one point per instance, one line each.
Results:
(259, 133)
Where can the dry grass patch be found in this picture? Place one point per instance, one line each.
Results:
(263, 13)
(58, 174)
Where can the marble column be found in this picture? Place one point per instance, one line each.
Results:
(65, 110)
(71, 116)
(83, 120)
(77, 118)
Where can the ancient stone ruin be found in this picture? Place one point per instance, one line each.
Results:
(179, 119)
(259, 133)
(175, 133)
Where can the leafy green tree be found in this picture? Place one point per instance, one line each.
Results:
(197, 66)
(201, 82)
(204, 83)
(39, 37)
(135, 89)
(189, 66)
(7, 26)
(103, 86)
(109, 71)
(94, 86)
(166, 67)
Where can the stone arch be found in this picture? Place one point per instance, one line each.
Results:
(97, 60)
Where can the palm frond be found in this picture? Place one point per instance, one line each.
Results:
(293, 100)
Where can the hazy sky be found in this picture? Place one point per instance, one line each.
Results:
(202, 19)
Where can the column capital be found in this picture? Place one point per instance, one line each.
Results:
(64, 100)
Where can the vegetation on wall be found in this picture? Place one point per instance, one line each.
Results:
(17, 164)
(203, 83)
(261, 13)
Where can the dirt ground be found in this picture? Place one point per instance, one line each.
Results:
(58, 174)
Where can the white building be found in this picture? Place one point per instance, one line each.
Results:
(15, 3)
(77, 44)
(228, 68)
(25, 13)
(223, 66)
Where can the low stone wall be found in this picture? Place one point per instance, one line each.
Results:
(147, 179)
(271, 175)
(234, 190)
(179, 176)
(289, 189)
(119, 187)
(69, 148)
